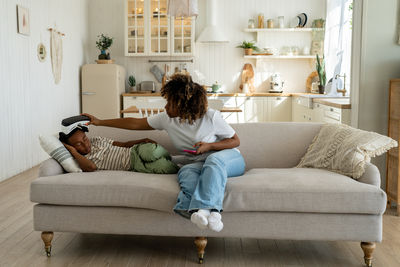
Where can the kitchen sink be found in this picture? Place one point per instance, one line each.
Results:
(307, 100)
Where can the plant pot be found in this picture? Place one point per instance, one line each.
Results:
(321, 89)
(104, 55)
(248, 51)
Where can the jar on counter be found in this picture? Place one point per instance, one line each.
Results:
(281, 22)
(270, 23)
(261, 20)
(295, 50)
(251, 24)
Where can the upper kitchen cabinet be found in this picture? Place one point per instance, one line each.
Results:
(182, 36)
(151, 32)
(159, 28)
(135, 27)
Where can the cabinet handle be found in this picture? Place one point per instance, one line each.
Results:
(88, 93)
(278, 98)
(331, 109)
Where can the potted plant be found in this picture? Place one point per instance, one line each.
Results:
(320, 66)
(103, 44)
(248, 47)
(131, 83)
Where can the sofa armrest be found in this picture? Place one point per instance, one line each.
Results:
(50, 167)
(371, 175)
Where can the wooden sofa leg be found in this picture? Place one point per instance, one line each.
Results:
(47, 237)
(201, 243)
(368, 248)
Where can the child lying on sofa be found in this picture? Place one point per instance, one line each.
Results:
(100, 153)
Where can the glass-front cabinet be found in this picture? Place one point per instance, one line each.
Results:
(159, 28)
(135, 27)
(182, 35)
(151, 32)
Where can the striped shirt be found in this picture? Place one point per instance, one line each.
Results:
(109, 157)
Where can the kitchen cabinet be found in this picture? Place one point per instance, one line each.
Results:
(279, 108)
(319, 113)
(149, 31)
(328, 114)
(301, 113)
(230, 102)
(253, 109)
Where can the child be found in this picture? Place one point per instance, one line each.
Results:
(100, 153)
(190, 124)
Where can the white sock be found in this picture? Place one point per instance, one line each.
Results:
(199, 218)
(214, 221)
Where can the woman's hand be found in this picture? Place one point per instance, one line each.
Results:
(202, 147)
(93, 119)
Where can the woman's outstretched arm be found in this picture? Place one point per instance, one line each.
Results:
(124, 123)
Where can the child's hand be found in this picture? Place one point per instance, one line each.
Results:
(69, 148)
(202, 147)
(93, 119)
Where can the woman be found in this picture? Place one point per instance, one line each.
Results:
(210, 145)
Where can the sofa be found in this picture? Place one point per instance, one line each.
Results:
(272, 200)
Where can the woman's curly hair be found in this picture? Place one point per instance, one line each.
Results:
(188, 97)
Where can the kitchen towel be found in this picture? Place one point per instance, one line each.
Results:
(56, 51)
(157, 72)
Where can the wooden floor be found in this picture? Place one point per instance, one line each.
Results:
(21, 246)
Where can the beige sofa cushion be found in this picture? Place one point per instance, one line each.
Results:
(345, 150)
(285, 190)
(302, 190)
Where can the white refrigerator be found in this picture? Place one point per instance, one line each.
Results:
(102, 86)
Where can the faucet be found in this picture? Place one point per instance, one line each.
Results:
(343, 91)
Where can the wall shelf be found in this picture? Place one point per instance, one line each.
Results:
(282, 29)
(281, 57)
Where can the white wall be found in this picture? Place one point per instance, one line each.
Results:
(222, 63)
(380, 62)
(30, 102)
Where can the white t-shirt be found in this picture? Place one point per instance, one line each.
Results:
(210, 128)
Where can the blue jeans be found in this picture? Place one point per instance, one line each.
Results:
(203, 183)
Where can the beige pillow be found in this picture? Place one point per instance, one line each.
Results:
(345, 150)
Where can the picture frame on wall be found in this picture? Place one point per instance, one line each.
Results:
(23, 20)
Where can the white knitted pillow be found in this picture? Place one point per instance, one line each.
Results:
(57, 151)
(345, 150)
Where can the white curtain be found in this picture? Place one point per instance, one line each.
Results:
(337, 44)
(183, 8)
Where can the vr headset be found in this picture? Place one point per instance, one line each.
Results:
(72, 124)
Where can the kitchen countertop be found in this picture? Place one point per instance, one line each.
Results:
(343, 103)
(226, 94)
